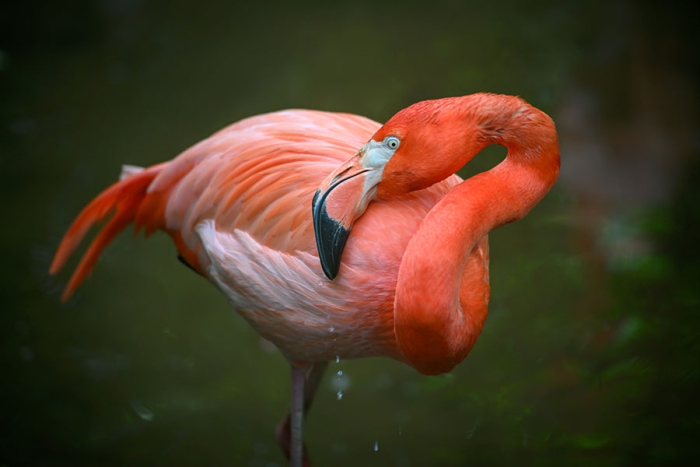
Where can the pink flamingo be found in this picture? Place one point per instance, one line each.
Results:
(413, 283)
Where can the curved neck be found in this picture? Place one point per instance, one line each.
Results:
(438, 315)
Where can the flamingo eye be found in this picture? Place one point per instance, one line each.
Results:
(392, 142)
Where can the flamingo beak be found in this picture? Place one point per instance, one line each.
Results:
(340, 200)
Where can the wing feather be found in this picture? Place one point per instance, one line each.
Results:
(259, 175)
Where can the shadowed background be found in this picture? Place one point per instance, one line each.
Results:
(590, 354)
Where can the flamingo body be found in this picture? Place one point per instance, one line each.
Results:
(238, 206)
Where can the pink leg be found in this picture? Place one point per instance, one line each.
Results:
(289, 431)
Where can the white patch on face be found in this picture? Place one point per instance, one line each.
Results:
(375, 156)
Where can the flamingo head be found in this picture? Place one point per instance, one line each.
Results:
(419, 146)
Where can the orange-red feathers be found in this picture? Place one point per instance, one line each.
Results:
(413, 283)
(124, 199)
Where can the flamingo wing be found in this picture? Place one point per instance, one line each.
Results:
(252, 175)
(258, 176)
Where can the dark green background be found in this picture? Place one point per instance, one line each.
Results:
(591, 353)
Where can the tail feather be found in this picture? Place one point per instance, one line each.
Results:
(124, 198)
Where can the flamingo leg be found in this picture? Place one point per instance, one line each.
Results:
(296, 412)
(305, 382)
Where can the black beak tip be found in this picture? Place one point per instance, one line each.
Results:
(331, 237)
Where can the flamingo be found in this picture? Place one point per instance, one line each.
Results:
(264, 209)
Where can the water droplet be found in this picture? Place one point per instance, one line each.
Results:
(376, 445)
(399, 430)
(341, 383)
(339, 395)
(337, 359)
(142, 411)
(331, 328)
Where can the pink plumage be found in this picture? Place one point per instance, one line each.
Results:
(413, 283)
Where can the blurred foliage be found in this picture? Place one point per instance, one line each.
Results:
(591, 353)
